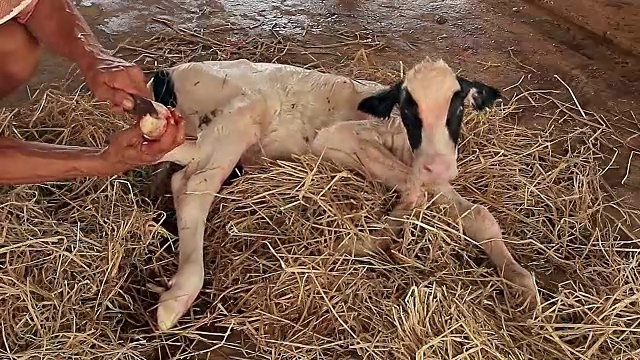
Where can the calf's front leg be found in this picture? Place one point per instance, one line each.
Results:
(359, 145)
(480, 226)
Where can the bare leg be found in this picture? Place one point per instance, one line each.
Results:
(192, 197)
(19, 56)
(194, 189)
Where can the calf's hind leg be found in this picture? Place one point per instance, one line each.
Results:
(192, 196)
(194, 189)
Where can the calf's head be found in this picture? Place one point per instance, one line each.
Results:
(431, 101)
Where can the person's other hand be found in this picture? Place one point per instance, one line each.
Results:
(113, 79)
(129, 149)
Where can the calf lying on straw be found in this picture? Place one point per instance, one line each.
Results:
(243, 111)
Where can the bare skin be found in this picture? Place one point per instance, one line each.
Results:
(58, 26)
(26, 162)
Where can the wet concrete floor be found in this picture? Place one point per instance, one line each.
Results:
(480, 37)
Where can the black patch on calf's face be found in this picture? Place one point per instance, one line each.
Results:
(164, 89)
(411, 119)
(483, 97)
(381, 104)
(454, 116)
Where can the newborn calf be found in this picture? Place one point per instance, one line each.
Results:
(243, 111)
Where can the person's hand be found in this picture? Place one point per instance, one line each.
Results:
(128, 149)
(113, 79)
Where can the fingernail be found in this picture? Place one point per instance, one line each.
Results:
(127, 104)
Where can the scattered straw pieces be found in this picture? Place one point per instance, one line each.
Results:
(82, 262)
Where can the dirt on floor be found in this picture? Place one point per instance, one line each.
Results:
(614, 21)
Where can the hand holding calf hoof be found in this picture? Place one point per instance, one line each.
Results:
(175, 302)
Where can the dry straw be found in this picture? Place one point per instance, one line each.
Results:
(82, 262)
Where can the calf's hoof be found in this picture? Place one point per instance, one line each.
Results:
(524, 280)
(176, 301)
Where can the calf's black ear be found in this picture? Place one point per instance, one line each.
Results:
(480, 96)
(164, 89)
(381, 104)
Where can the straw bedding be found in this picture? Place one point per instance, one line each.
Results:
(82, 262)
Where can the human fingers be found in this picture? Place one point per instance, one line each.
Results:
(172, 138)
(175, 115)
(116, 109)
(131, 137)
(130, 79)
(126, 148)
(139, 85)
(121, 100)
(181, 125)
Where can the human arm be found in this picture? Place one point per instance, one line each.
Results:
(24, 162)
(59, 26)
